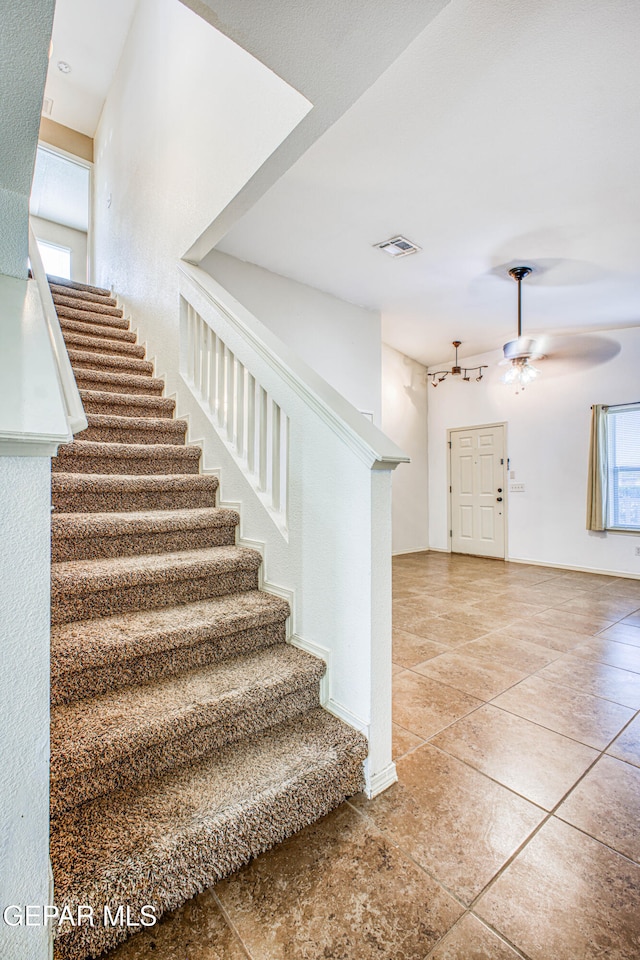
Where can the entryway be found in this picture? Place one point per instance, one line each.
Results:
(477, 490)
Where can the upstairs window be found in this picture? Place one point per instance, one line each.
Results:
(56, 259)
(623, 467)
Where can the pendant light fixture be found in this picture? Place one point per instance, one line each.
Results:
(519, 353)
(456, 370)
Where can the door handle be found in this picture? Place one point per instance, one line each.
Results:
(499, 499)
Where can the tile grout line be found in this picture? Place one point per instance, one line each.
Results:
(551, 813)
(234, 930)
(497, 933)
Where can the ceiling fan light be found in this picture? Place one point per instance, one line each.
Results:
(520, 373)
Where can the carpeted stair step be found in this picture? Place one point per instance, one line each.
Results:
(114, 429)
(90, 317)
(110, 741)
(87, 306)
(74, 285)
(87, 456)
(96, 331)
(109, 382)
(90, 657)
(167, 839)
(89, 361)
(84, 295)
(85, 589)
(94, 536)
(126, 404)
(100, 345)
(102, 493)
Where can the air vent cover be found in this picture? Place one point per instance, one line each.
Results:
(398, 247)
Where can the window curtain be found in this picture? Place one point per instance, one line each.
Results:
(597, 482)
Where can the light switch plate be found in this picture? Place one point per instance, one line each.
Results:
(516, 488)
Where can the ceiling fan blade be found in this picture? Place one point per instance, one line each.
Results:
(568, 353)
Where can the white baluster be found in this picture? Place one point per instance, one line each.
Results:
(275, 455)
(252, 424)
(221, 365)
(240, 407)
(262, 438)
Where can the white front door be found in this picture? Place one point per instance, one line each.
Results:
(478, 490)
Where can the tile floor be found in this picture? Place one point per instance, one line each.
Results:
(514, 829)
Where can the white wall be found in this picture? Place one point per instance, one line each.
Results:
(76, 240)
(339, 340)
(188, 119)
(548, 445)
(24, 697)
(404, 420)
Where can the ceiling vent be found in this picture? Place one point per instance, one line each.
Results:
(47, 106)
(398, 247)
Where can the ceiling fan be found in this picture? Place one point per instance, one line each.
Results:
(560, 354)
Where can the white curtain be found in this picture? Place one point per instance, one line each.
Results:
(597, 481)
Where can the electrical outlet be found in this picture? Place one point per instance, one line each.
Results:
(516, 488)
(637, 551)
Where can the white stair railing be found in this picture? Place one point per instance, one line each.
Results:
(312, 478)
(74, 410)
(248, 419)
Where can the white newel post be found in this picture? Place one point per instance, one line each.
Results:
(38, 411)
(312, 479)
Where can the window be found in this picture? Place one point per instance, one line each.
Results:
(623, 467)
(56, 259)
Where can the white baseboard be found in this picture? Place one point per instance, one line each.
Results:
(378, 782)
(322, 653)
(567, 566)
(404, 553)
(343, 714)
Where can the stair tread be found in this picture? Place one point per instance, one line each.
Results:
(123, 379)
(109, 448)
(87, 644)
(88, 306)
(90, 317)
(75, 285)
(102, 346)
(132, 482)
(99, 360)
(98, 731)
(76, 576)
(140, 522)
(137, 423)
(96, 331)
(141, 401)
(88, 295)
(164, 840)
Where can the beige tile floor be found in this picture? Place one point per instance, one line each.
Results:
(514, 828)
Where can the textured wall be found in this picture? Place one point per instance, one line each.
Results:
(24, 46)
(24, 697)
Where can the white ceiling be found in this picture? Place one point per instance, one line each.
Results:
(507, 132)
(88, 35)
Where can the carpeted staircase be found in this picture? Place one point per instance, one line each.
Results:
(186, 734)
